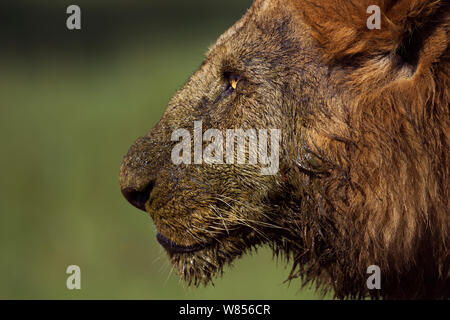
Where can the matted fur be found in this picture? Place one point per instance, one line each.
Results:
(364, 172)
(390, 143)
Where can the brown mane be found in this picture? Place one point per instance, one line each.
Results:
(387, 151)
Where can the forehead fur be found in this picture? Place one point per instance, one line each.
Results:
(259, 9)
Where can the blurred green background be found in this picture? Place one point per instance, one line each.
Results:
(71, 104)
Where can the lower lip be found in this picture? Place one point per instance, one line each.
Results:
(172, 247)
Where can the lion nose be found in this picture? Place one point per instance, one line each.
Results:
(138, 198)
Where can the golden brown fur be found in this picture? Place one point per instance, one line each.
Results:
(364, 172)
(392, 139)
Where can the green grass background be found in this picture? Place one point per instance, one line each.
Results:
(66, 120)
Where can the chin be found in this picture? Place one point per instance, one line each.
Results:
(200, 264)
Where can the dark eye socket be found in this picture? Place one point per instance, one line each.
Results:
(231, 81)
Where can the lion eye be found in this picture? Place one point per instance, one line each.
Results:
(232, 81)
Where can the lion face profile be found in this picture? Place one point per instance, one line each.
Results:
(355, 127)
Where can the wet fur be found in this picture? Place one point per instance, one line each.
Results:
(364, 172)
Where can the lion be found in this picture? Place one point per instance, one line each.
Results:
(363, 172)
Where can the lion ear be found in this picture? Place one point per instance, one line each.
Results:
(420, 28)
(414, 30)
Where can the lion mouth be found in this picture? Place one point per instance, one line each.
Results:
(172, 247)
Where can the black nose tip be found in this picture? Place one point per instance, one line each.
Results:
(138, 198)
